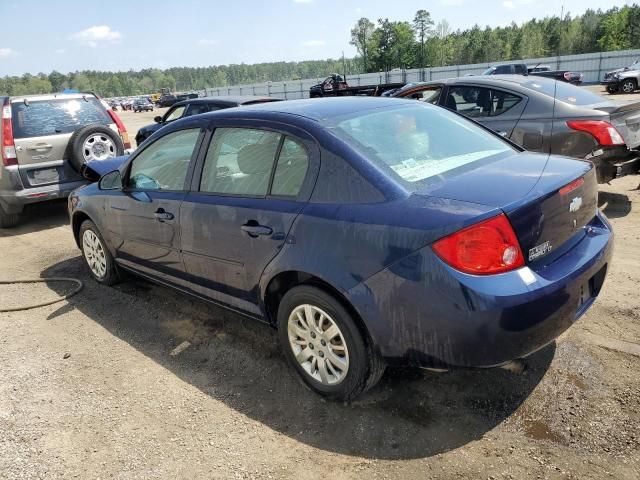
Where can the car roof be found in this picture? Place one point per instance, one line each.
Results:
(504, 80)
(50, 96)
(226, 101)
(318, 108)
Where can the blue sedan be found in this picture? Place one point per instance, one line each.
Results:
(368, 231)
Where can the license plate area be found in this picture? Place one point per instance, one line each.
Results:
(43, 176)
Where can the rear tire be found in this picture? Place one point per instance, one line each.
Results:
(8, 220)
(323, 343)
(76, 149)
(96, 254)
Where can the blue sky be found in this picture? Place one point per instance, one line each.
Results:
(40, 36)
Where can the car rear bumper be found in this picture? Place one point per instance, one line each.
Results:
(14, 201)
(422, 312)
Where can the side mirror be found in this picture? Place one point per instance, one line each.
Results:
(111, 181)
(157, 119)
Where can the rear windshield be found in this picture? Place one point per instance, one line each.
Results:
(414, 143)
(51, 117)
(565, 92)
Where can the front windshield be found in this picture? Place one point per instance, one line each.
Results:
(414, 143)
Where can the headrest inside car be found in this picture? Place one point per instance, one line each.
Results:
(257, 158)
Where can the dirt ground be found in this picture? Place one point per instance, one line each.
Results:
(95, 387)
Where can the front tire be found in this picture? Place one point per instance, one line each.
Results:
(96, 254)
(323, 343)
(628, 86)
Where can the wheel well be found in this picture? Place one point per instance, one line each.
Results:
(76, 221)
(285, 281)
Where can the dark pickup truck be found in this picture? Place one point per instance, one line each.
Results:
(539, 71)
(335, 85)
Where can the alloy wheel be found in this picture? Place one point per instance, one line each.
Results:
(98, 147)
(318, 345)
(628, 87)
(94, 253)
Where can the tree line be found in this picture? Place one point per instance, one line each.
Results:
(381, 46)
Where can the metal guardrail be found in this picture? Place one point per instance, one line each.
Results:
(591, 65)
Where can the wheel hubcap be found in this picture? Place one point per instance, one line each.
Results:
(628, 87)
(318, 344)
(98, 147)
(94, 254)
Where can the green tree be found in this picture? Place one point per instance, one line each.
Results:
(423, 28)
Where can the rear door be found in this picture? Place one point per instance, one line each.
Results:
(253, 184)
(42, 129)
(144, 218)
(495, 108)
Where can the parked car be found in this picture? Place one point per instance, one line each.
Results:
(45, 140)
(142, 106)
(543, 115)
(368, 231)
(197, 106)
(623, 80)
(537, 70)
(335, 85)
(167, 100)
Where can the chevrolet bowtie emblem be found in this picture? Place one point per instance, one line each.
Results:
(575, 204)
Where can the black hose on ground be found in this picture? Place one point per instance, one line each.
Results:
(79, 287)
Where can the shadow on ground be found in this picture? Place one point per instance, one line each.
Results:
(614, 205)
(410, 414)
(39, 216)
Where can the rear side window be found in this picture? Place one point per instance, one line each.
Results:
(239, 162)
(477, 102)
(57, 116)
(291, 169)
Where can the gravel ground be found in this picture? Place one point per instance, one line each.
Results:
(104, 386)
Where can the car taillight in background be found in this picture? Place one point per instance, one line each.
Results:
(122, 130)
(9, 156)
(486, 248)
(605, 133)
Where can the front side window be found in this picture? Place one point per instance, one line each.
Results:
(174, 114)
(428, 95)
(239, 162)
(414, 143)
(163, 165)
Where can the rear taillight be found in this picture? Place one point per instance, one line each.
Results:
(603, 132)
(122, 130)
(486, 248)
(570, 187)
(9, 156)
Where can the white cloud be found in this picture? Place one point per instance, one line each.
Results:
(97, 35)
(452, 3)
(6, 52)
(207, 41)
(60, 51)
(508, 4)
(313, 43)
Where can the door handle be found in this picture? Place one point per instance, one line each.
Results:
(40, 146)
(161, 215)
(256, 230)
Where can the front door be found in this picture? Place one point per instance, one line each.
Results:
(239, 217)
(144, 219)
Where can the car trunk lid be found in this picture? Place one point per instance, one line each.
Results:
(536, 192)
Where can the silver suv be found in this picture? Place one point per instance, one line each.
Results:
(45, 140)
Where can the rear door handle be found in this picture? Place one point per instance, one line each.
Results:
(161, 215)
(256, 230)
(40, 146)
